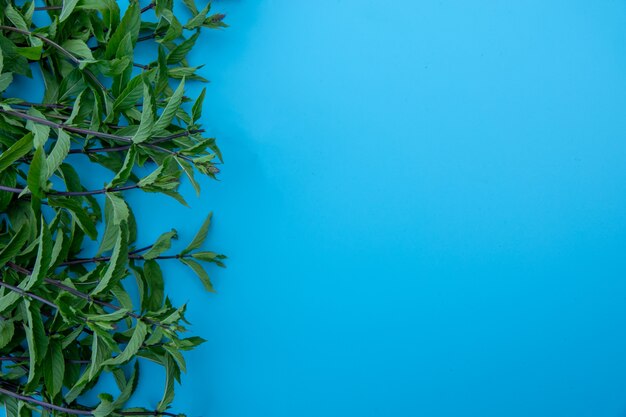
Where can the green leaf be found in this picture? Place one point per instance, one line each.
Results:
(15, 17)
(35, 337)
(8, 179)
(163, 243)
(37, 174)
(181, 50)
(131, 93)
(146, 125)
(200, 237)
(68, 8)
(207, 256)
(111, 317)
(7, 329)
(191, 5)
(15, 245)
(188, 170)
(16, 151)
(122, 175)
(130, 387)
(42, 262)
(85, 222)
(153, 299)
(111, 228)
(30, 52)
(78, 48)
(172, 373)
(196, 110)
(130, 23)
(54, 368)
(41, 132)
(105, 408)
(133, 346)
(5, 80)
(75, 109)
(200, 272)
(170, 109)
(119, 208)
(197, 21)
(116, 265)
(58, 153)
(100, 352)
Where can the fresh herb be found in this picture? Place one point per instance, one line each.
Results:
(66, 317)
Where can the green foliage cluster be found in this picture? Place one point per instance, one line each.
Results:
(67, 319)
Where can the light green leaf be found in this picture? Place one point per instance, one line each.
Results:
(85, 222)
(16, 151)
(5, 80)
(133, 346)
(105, 408)
(188, 170)
(41, 132)
(58, 153)
(146, 124)
(122, 175)
(200, 237)
(198, 19)
(111, 317)
(100, 352)
(200, 272)
(163, 243)
(170, 109)
(120, 209)
(75, 108)
(15, 17)
(68, 8)
(116, 266)
(42, 262)
(78, 48)
(172, 373)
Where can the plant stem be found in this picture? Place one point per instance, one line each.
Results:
(78, 412)
(27, 294)
(148, 7)
(95, 133)
(74, 193)
(48, 105)
(140, 249)
(126, 147)
(44, 8)
(58, 47)
(131, 255)
(25, 358)
(45, 404)
(79, 294)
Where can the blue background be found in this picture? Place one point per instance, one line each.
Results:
(423, 207)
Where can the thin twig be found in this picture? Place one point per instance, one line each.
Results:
(28, 294)
(74, 193)
(95, 133)
(58, 47)
(131, 255)
(84, 296)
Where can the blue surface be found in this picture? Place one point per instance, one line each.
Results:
(423, 205)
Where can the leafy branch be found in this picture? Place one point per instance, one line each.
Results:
(66, 318)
